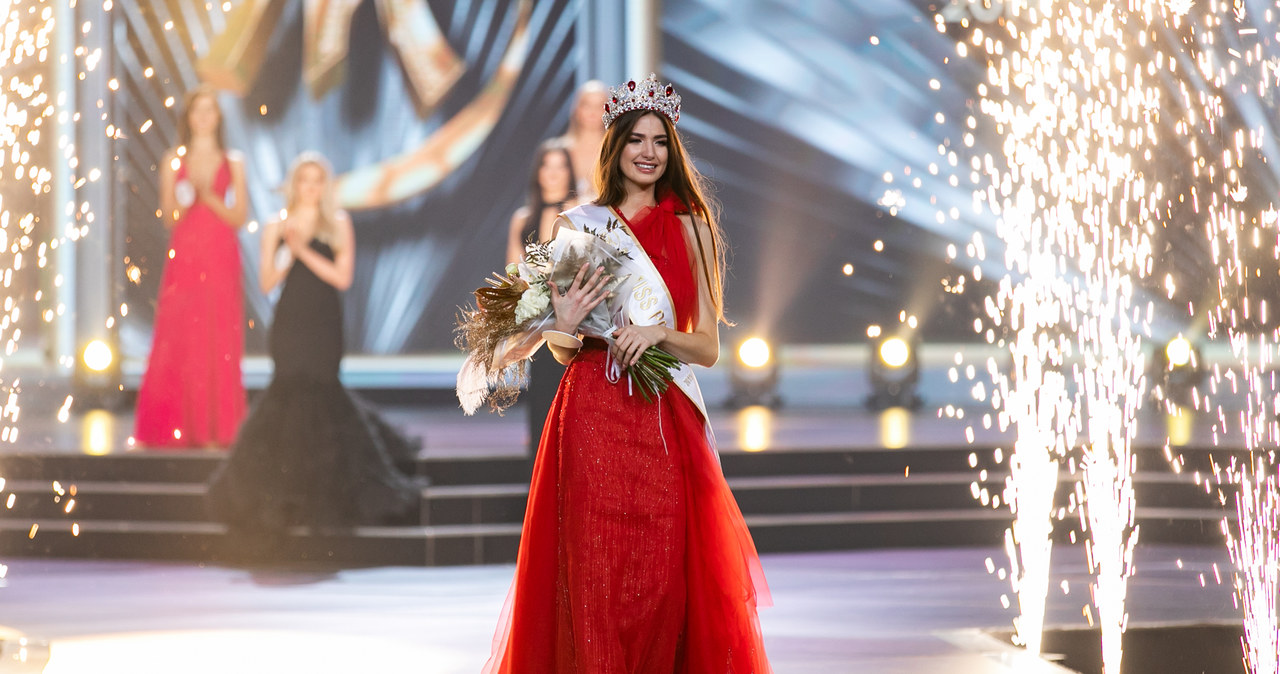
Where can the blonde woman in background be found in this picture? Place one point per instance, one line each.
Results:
(586, 131)
(310, 453)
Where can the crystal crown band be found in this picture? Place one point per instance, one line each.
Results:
(646, 94)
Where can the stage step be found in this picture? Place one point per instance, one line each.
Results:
(208, 541)
(151, 505)
(504, 502)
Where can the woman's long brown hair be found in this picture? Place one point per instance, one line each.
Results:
(680, 178)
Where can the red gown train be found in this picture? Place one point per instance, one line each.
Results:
(634, 556)
(192, 394)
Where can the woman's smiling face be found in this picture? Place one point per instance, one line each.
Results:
(644, 157)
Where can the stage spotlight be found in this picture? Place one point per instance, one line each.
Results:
(753, 375)
(895, 371)
(754, 352)
(96, 381)
(1178, 371)
(97, 356)
(895, 352)
(1178, 351)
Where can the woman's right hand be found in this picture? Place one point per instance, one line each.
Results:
(573, 304)
(204, 193)
(292, 239)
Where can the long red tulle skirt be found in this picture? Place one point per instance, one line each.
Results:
(192, 394)
(634, 555)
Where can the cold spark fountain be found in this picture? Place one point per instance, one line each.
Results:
(40, 173)
(1067, 94)
(1119, 122)
(1233, 69)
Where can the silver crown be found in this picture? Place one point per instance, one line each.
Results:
(647, 94)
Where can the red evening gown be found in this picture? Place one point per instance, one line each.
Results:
(634, 557)
(192, 394)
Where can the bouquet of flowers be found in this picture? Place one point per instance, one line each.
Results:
(511, 312)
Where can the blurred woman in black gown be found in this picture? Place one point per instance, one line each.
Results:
(310, 453)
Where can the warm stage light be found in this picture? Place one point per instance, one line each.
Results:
(754, 352)
(1175, 373)
(895, 428)
(755, 428)
(97, 430)
(895, 352)
(97, 356)
(753, 375)
(1178, 351)
(96, 382)
(895, 372)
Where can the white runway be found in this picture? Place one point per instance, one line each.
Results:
(888, 612)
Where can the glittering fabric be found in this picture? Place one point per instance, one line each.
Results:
(634, 557)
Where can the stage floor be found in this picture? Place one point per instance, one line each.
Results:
(888, 612)
(883, 611)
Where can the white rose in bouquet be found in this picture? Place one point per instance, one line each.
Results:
(533, 302)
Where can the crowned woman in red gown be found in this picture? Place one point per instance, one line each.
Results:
(192, 394)
(634, 556)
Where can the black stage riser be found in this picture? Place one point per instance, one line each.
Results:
(197, 466)
(151, 506)
(504, 503)
(410, 547)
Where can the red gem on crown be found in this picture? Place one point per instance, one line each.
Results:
(631, 84)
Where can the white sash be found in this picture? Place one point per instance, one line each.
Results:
(646, 299)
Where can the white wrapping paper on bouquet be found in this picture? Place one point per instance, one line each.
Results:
(570, 249)
(481, 372)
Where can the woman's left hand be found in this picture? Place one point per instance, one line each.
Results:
(631, 342)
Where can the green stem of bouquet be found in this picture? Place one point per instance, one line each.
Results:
(652, 373)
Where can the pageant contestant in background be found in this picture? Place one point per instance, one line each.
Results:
(581, 145)
(552, 189)
(310, 453)
(192, 394)
(634, 556)
(586, 129)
